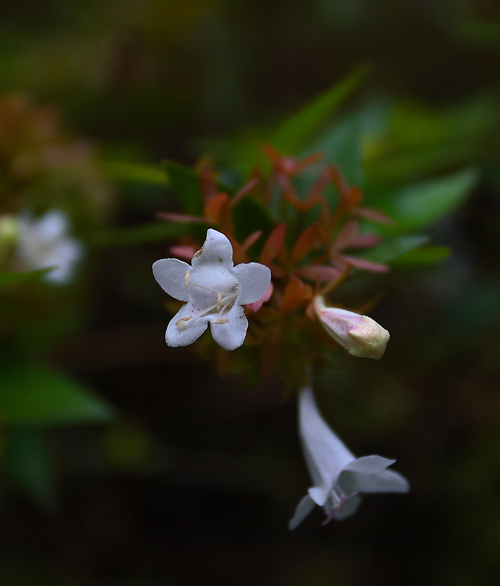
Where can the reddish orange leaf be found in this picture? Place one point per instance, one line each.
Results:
(208, 186)
(296, 294)
(247, 188)
(305, 243)
(273, 244)
(374, 215)
(361, 263)
(218, 211)
(318, 272)
(173, 217)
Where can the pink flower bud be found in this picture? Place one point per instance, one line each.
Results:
(360, 335)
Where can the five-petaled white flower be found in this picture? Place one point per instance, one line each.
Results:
(337, 474)
(214, 290)
(44, 242)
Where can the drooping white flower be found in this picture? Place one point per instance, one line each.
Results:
(214, 290)
(360, 335)
(44, 242)
(338, 476)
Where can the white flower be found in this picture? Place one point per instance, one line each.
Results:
(360, 335)
(215, 291)
(44, 243)
(337, 474)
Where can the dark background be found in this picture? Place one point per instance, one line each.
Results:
(194, 482)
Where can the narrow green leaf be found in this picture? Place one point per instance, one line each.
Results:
(392, 248)
(424, 256)
(28, 462)
(425, 203)
(133, 172)
(38, 396)
(12, 278)
(295, 132)
(186, 184)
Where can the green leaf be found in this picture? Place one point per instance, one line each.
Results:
(138, 235)
(38, 396)
(341, 145)
(424, 256)
(12, 278)
(424, 203)
(392, 248)
(137, 173)
(186, 183)
(28, 462)
(294, 133)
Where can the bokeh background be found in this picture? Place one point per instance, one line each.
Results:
(194, 479)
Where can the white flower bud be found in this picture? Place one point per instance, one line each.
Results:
(360, 335)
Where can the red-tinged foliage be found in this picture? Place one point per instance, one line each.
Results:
(247, 188)
(208, 185)
(290, 195)
(352, 198)
(273, 244)
(296, 295)
(173, 217)
(375, 215)
(305, 243)
(349, 237)
(183, 251)
(319, 273)
(240, 250)
(339, 182)
(287, 165)
(277, 271)
(361, 263)
(218, 211)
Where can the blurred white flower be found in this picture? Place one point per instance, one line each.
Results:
(214, 290)
(44, 242)
(360, 335)
(338, 476)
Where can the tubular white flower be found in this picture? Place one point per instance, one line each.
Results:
(44, 243)
(360, 335)
(214, 290)
(338, 476)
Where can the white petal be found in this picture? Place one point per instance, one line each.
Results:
(170, 274)
(216, 250)
(230, 335)
(325, 453)
(51, 226)
(369, 464)
(381, 481)
(254, 280)
(318, 495)
(183, 337)
(305, 506)
(64, 256)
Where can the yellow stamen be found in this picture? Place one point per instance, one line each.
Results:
(220, 321)
(219, 301)
(186, 278)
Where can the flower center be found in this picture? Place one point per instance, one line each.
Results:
(335, 503)
(224, 301)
